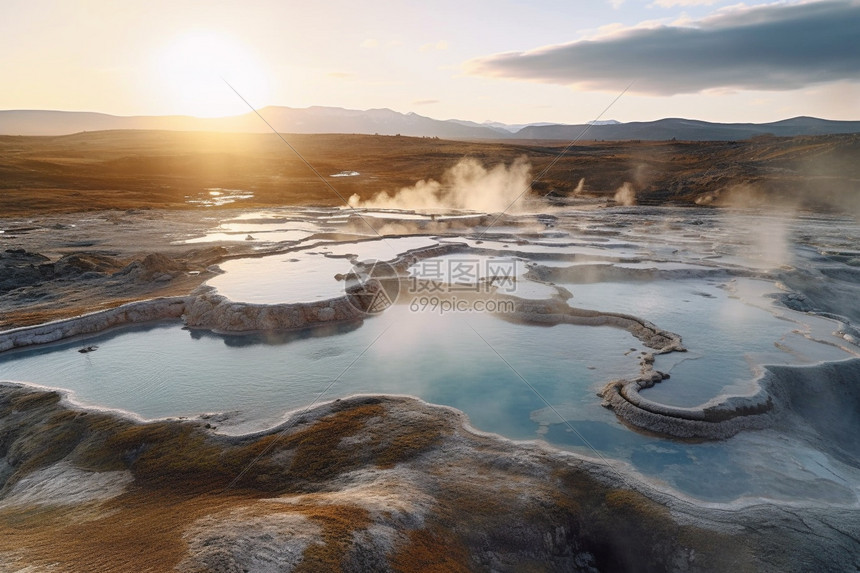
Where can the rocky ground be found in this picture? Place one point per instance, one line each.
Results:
(365, 484)
(58, 266)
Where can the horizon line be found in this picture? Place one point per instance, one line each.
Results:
(485, 123)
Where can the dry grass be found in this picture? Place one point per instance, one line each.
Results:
(318, 453)
(83, 303)
(339, 523)
(432, 550)
(139, 531)
(184, 456)
(181, 473)
(154, 169)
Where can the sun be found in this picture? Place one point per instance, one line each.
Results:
(193, 68)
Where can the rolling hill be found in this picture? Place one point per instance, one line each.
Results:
(319, 119)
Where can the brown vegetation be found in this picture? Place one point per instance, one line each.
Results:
(502, 513)
(155, 169)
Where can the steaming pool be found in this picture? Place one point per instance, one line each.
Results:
(697, 277)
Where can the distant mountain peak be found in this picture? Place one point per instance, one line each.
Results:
(385, 121)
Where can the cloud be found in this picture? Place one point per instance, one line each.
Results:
(674, 3)
(370, 43)
(771, 47)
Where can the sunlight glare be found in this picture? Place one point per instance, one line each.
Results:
(191, 69)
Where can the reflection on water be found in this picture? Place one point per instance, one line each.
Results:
(730, 326)
(217, 197)
(165, 370)
(168, 371)
(305, 275)
(727, 337)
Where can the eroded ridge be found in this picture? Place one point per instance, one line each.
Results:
(557, 311)
(822, 397)
(718, 419)
(151, 310)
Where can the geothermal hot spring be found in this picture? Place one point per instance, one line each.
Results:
(745, 291)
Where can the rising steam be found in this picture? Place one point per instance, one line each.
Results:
(625, 195)
(760, 223)
(468, 185)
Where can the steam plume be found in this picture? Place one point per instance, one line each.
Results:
(625, 195)
(467, 185)
(765, 239)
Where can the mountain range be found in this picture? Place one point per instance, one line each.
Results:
(319, 119)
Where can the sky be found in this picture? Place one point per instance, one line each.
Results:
(481, 60)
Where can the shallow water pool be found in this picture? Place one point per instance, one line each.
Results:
(165, 370)
(499, 373)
